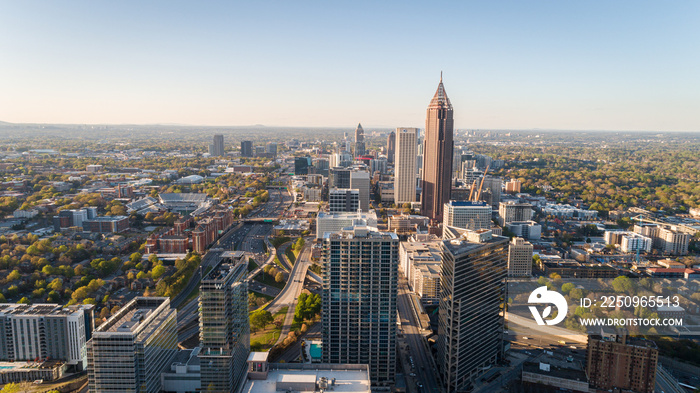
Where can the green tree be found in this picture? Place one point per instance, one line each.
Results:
(13, 276)
(157, 272)
(623, 284)
(11, 388)
(576, 293)
(299, 244)
(259, 319)
(56, 284)
(54, 297)
(566, 288)
(279, 277)
(80, 293)
(23, 300)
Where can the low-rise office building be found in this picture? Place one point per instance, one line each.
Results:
(420, 262)
(529, 230)
(264, 377)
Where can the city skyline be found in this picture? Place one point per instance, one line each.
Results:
(622, 66)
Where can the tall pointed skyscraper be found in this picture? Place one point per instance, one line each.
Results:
(437, 155)
(359, 141)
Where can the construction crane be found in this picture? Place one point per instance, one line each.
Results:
(478, 194)
(472, 190)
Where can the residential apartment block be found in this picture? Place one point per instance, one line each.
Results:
(360, 278)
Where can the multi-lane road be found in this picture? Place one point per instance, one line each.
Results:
(421, 372)
(294, 285)
(247, 237)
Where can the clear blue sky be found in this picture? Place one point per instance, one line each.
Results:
(614, 65)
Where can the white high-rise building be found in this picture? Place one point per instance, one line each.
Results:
(335, 222)
(45, 330)
(360, 279)
(468, 215)
(513, 211)
(405, 165)
(631, 242)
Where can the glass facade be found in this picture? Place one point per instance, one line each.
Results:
(360, 273)
(224, 328)
(473, 291)
(129, 351)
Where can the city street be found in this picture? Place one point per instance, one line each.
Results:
(423, 363)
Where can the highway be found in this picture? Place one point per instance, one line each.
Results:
(209, 260)
(289, 295)
(424, 371)
(294, 285)
(250, 237)
(281, 250)
(546, 331)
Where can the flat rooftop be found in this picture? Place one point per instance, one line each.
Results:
(14, 366)
(221, 271)
(232, 254)
(131, 320)
(461, 245)
(361, 232)
(467, 204)
(347, 380)
(555, 371)
(40, 309)
(139, 318)
(186, 197)
(348, 215)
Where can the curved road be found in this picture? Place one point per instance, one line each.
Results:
(289, 295)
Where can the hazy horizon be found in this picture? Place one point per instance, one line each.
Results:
(368, 128)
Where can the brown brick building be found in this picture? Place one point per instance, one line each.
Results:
(619, 362)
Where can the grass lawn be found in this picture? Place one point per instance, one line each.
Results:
(263, 340)
(309, 324)
(252, 265)
(278, 241)
(266, 279)
(262, 295)
(291, 255)
(315, 268)
(278, 263)
(282, 311)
